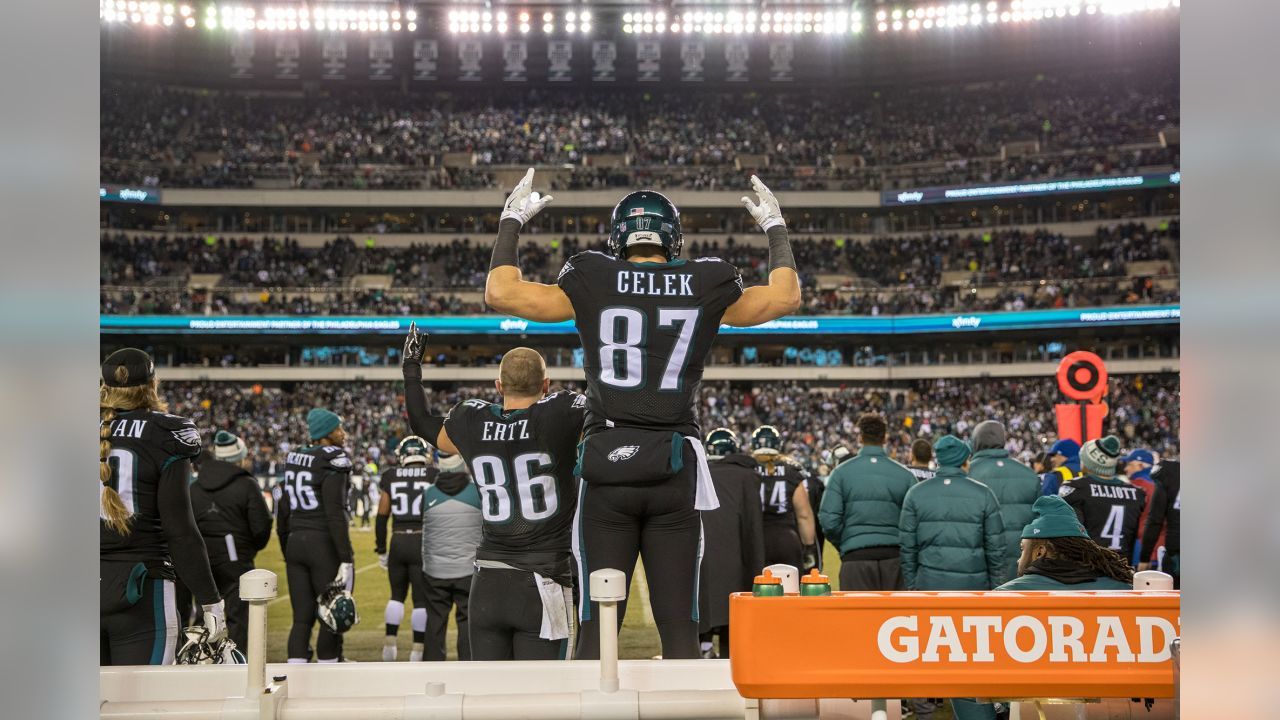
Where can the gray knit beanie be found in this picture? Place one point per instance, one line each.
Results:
(989, 435)
(1098, 457)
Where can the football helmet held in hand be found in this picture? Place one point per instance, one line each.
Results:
(337, 609)
(199, 648)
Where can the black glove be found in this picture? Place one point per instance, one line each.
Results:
(810, 559)
(415, 345)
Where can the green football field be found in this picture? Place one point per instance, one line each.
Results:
(639, 638)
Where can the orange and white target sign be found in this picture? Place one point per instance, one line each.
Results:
(923, 644)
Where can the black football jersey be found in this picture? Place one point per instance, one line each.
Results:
(304, 473)
(646, 330)
(406, 485)
(778, 483)
(1108, 509)
(522, 462)
(143, 444)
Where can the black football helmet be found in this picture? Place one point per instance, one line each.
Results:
(645, 217)
(721, 442)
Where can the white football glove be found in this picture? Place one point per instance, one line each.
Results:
(215, 619)
(524, 203)
(346, 576)
(767, 214)
(382, 561)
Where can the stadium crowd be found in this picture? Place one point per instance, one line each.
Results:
(160, 136)
(887, 275)
(1144, 411)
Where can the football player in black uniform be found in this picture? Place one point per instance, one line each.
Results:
(312, 527)
(400, 499)
(1166, 514)
(646, 319)
(148, 536)
(789, 535)
(1109, 508)
(522, 455)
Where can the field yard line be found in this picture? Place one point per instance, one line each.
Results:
(285, 596)
(642, 585)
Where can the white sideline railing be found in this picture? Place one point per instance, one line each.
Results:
(604, 689)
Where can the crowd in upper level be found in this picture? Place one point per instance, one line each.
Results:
(860, 139)
(886, 275)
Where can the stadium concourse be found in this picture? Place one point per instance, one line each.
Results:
(945, 204)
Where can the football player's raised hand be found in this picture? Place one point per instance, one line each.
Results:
(767, 214)
(415, 345)
(524, 202)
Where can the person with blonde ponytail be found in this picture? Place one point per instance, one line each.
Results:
(790, 534)
(148, 537)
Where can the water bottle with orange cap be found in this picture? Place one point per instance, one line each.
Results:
(767, 585)
(815, 584)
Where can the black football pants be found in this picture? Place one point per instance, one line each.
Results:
(506, 617)
(144, 632)
(782, 545)
(311, 563)
(618, 523)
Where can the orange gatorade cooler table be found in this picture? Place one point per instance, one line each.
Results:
(951, 644)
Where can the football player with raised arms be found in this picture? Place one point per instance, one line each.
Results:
(646, 319)
(148, 536)
(401, 490)
(312, 526)
(521, 454)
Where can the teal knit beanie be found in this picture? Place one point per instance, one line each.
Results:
(1054, 518)
(321, 422)
(951, 451)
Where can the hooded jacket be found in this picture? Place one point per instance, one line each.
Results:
(863, 502)
(1016, 487)
(952, 535)
(230, 511)
(733, 538)
(451, 526)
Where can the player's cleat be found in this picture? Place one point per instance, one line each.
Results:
(389, 650)
(415, 655)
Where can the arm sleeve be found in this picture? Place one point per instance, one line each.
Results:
(186, 547)
(506, 246)
(333, 493)
(779, 248)
(907, 524)
(380, 534)
(421, 421)
(993, 539)
(831, 513)
(257, 515)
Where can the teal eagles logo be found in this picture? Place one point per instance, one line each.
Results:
(626, 452)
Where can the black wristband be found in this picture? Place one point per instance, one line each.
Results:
(505, 248)
(779, 249)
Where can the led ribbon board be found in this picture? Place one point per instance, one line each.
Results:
(500, 325)
(961, 193)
